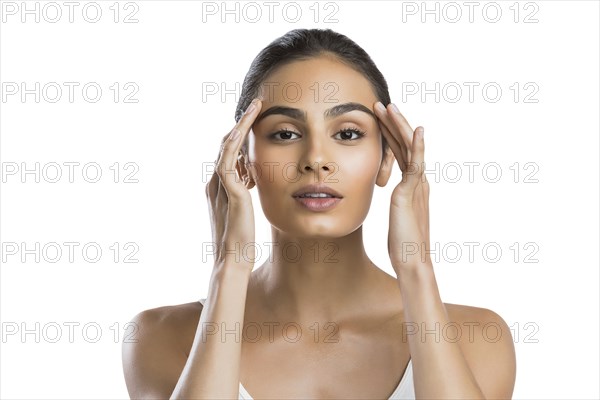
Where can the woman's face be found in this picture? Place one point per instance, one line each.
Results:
(309, 96)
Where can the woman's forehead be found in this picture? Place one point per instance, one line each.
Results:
(316, 80)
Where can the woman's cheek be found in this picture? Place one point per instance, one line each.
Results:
(359, 168)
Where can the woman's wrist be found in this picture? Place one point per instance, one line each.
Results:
(414, 273)
(231, 270)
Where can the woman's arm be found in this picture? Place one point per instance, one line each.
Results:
(156, 366)
(480, 364)
(485, 369)
(212, 370)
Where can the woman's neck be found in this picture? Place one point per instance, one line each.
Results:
(319, 278)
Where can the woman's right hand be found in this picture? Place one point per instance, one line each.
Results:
(229, 200)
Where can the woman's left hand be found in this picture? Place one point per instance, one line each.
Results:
(408, 238)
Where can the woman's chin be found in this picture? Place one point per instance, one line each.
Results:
(303, 228)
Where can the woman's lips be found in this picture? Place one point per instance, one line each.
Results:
(318, 203)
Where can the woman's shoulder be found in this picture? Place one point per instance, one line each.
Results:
(487, 344)
(171, 311)
(476, 324)
(478, 314)
(169, 321)
(154, 355)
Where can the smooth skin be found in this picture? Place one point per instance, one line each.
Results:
(360, 326)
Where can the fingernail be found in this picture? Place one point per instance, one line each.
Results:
(395, 108)
(234, 134)
(380, 106)
(421, 132)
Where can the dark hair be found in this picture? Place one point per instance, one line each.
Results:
(303, 44)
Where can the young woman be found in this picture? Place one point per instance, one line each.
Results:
(319, 319)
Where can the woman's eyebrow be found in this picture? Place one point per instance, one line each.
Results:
(300, 115)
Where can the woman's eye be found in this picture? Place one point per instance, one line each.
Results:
(286, 135)
(347, 134)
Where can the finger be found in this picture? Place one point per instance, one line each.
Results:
(418, 156)
(244, 125)
(221, 201)
(399, 125)
(228, 136)
(212, 187)
(224, 141)
(221, 193)
(215, 189)
(402, 125)
(385, 116)
(394, 145)
(232, 144)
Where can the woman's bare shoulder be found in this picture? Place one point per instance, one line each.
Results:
(462, 311)
(477, 324)
(170, 318)
(487, 345)
(171, 327)
(155, 355)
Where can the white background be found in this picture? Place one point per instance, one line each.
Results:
(172, 133)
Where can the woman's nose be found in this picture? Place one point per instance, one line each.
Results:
(315, 155)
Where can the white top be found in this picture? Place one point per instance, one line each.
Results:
(404, 391)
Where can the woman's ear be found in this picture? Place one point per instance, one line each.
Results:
(244, 172)
(385, 169)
